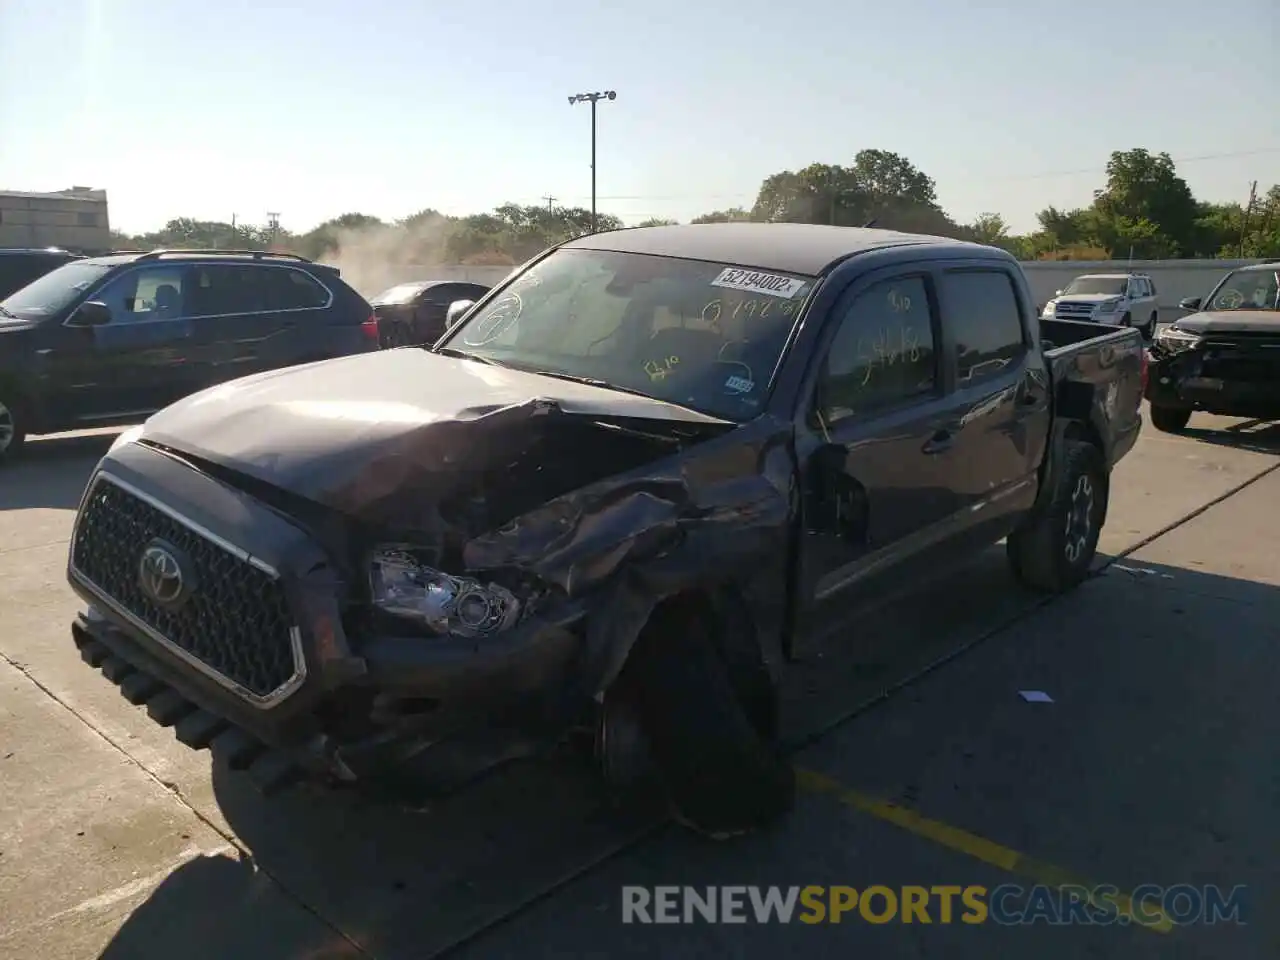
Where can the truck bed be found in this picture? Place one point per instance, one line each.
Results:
(1097, 376)
(1060, 338)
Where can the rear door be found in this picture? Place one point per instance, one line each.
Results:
(877, 482)
(250, 317)
(1001, 391)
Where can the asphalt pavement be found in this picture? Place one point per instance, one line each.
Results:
(1146, 754)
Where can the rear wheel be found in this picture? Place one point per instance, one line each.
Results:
(1170, 419)
(1150, 331)
(13, 430)
(1054, 549)
(722, 774)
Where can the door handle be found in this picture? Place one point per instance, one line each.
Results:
(940, 442)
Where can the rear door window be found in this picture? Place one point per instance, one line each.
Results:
(226, 290)
(980, 307)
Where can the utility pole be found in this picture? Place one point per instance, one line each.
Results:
(550, 204)
(1244, 220)
(592, 98)
(273, 227)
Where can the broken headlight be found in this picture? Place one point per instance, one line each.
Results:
(402, 585)
(1173, 340)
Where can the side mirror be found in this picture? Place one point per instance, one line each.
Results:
(456, 310)
(1057, 293)
(1189, 303)
(93, 313)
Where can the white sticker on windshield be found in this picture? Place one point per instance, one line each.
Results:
(752, 281)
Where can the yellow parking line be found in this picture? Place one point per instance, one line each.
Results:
(972, 845)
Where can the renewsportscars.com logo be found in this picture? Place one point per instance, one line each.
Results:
(1009, 904)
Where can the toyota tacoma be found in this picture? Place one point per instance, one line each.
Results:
(627, 486)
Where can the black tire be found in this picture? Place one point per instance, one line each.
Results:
(1170, 419)
(1126, 321)
(13, 428)
(1150, 331)
(1046, 554)
(722, 777)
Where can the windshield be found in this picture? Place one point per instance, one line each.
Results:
(401, 293)
(703, 335)
(1247, 290)
(1112, 286)
(54, 291)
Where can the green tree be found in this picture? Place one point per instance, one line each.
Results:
(878, 185)
(658, 222)
(730, 215)
(1147, 204)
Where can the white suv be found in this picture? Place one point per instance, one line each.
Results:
(1119, 299)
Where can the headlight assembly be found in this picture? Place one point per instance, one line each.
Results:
(1109, 306)
(405, 587)
(1173, 339)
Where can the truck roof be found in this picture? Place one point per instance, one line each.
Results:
(802, 248)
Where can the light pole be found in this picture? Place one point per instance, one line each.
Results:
(592, 98)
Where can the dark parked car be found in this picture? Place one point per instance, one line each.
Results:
(414, 313)
(107, 340)
(627, 486)
(18, 267)
(1225, 357)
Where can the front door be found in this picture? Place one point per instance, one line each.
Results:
(875, 445)
(136, 363)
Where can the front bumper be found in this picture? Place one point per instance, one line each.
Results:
(352, 709)
(1228, 382)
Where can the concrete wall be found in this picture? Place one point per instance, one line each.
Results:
(75, 219)
(1174, 279)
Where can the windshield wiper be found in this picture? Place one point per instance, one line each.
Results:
(463, 355)
(590, 382)
(6, 313)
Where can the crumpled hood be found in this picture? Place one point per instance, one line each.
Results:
(398, 436)
(1231, 321)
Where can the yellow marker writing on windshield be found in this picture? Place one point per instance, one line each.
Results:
(658, 369)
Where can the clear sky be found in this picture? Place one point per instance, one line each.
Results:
(313, 108)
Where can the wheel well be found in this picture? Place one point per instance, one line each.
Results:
(736, 639)
(1085, 431)
(12, 396)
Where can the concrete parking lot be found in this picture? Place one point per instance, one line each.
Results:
(1154, 762)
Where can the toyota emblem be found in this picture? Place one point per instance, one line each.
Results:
(161, 574)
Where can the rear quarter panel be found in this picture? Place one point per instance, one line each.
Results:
(1098, 382)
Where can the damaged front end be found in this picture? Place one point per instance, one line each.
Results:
(414, 600)
(1230, 373)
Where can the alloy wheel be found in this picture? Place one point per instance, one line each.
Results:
(1079, 518)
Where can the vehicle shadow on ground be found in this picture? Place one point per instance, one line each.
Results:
(51, 472)
(1256, 436)
(403, 884)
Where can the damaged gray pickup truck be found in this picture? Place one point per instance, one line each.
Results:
(624, 489)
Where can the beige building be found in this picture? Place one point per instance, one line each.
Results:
(75, 219)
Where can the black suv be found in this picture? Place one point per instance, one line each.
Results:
(1225, 357)
(18, 267)
(109, 340)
